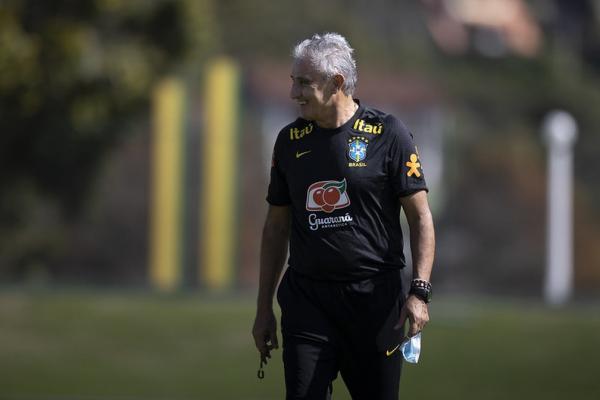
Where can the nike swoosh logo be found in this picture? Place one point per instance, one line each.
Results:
(390, 352)
(298, 154)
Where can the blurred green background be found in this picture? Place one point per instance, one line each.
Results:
(100, 298)
(135, 346)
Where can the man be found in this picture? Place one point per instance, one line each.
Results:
(340, 175)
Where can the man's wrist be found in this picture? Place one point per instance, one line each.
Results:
(421, 289)
(264, 303)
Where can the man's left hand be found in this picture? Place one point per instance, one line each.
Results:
(417, 312)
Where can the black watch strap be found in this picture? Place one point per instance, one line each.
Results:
(422, 289)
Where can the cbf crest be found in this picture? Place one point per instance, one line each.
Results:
(357, 151)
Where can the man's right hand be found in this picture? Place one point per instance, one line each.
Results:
(265, 333)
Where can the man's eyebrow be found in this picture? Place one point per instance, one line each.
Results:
(301, 78)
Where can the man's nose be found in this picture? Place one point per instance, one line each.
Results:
(295, 91)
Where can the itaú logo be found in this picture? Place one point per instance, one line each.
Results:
(327, 196)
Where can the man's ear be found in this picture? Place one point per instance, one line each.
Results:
(338, 81)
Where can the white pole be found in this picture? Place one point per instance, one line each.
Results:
(560, 133)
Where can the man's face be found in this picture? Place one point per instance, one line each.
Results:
(311, 90)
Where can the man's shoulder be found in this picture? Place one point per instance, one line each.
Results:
(374, 121)
(374, 113)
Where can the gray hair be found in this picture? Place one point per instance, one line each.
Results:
(330, 54)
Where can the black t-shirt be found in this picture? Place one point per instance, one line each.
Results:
(343, 186)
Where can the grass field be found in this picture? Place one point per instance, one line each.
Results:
(78, 345)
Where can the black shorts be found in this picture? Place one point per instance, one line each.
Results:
(347, 327)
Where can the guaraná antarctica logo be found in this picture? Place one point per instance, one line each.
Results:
(327, 196)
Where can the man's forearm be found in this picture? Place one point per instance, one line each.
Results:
(272, 258)
(422, 243)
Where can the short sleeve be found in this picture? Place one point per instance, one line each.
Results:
(278, 193)
(405, 168)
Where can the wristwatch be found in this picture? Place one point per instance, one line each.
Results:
(422, 289)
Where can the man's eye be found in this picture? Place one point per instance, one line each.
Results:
(302, 82)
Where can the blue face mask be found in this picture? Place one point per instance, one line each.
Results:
(411, 348)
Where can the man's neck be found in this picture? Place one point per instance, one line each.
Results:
(339, 113)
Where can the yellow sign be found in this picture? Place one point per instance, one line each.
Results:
(362, 126)
(296, 133)
(414, 165)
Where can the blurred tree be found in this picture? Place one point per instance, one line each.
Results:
(497, 224)
(75, 74)
(72, 76)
